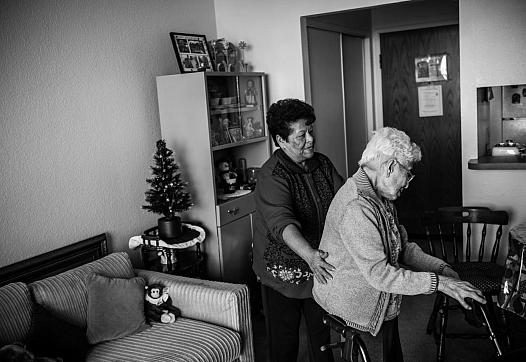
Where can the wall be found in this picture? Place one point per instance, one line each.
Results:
(79, 116)
(272, 29)
(492, 36)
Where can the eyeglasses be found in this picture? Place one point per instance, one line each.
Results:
(408, 172)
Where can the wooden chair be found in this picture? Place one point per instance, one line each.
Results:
(446, 227)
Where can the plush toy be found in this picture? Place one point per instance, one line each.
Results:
(227, 178)
(158, 306)
(17, 352)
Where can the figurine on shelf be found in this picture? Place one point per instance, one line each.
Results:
(250, 93)
(241, 62)
(220, 57)
(227, 177)
(232, 57)
(248, 127)
(225, 124)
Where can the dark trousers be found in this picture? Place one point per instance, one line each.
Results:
(392, 349)
(283, 318)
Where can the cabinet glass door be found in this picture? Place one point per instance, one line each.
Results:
(223, 97)
(252, 123)
(236, 108)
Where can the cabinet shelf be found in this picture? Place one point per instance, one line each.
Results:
(232, 109)
(239, 143)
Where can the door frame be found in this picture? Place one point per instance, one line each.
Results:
(377, 71)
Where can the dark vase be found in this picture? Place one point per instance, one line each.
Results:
(169, 227)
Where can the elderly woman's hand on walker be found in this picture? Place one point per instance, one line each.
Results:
(460, 290)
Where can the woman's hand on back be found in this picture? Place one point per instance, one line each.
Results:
(320, 268)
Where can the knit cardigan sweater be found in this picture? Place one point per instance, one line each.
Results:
(289, 194)
(375, 263)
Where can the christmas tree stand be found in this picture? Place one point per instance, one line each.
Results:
(174, 258)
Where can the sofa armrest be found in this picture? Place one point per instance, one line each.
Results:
(219, 303)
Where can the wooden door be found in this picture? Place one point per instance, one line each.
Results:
(438, 180)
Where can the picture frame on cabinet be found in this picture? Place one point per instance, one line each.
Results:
(192, 53)
(235, 134)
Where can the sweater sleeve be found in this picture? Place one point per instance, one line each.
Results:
(274, 202)
(363, 240)
(413, 256)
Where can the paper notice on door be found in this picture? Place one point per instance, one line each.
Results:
(430, 101)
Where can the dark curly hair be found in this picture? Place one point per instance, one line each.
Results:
(283, 113)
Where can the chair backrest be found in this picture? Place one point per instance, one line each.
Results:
(447, 224)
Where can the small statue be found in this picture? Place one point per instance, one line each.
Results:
(242, 67)
(248, 127)
(225, 124)
(250, 93)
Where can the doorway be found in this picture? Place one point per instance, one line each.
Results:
(438, 180)
(336, 89)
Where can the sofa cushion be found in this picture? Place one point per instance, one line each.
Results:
(53, 337)
(115, 307)
(65, 294)
(185, 340)
(15, 313)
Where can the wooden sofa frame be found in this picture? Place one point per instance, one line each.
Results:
(56, 261)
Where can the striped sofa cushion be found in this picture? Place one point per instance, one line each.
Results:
(65, 294)
(15, 313)
(185, 340)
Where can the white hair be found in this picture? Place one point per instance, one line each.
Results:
(392, 143)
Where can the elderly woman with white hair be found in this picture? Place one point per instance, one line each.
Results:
(375, 263)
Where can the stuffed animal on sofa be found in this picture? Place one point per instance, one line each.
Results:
(158, 306)
(17, 352)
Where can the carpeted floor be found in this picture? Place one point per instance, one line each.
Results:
(416, 344)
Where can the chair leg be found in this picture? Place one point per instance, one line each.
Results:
(431, 323)
(443, 311)
(504, 327)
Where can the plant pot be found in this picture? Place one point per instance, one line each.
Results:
(169, 227)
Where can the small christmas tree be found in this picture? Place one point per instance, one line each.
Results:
(167, 195)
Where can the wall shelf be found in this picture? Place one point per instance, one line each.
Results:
(498, 163)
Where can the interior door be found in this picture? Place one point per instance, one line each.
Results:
(438, 180)
(327, 95)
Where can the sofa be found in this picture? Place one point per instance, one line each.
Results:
(215, 322)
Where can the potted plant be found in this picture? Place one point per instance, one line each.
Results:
(167, 195)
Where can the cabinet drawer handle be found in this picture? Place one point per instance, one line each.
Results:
(233, 211)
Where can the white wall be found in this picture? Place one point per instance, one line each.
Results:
(79, 116)
(492, 52)
(272, 29)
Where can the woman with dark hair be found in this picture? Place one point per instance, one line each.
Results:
(293, 193)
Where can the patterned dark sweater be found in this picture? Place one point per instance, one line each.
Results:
(289, 194)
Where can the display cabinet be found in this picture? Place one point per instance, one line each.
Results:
(215, 124)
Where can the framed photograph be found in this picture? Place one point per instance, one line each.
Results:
(431, 68)
(235, 134)
(192, 52)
